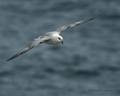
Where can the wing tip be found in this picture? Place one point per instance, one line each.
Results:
(20, 53)
(14, 56)
(91, 18)
(10, 58)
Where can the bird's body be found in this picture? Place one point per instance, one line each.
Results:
(51, 38)
(54, 39)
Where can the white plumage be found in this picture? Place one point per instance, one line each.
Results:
(52, 38)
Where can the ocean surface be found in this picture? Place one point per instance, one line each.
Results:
(87, 64)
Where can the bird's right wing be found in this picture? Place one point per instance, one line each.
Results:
(59, 30)
(30, 46)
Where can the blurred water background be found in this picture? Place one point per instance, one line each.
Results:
(88, 64)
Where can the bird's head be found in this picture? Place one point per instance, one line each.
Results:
(58, 38)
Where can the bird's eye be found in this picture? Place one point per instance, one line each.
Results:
(59, 38)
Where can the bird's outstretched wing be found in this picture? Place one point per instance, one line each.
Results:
(30, 46)
(72, 25)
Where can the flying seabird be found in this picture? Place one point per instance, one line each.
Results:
(51, 38)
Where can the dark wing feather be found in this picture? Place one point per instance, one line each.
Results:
(30, 46)
(72, 25)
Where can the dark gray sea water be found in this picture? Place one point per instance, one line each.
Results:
(88, 64)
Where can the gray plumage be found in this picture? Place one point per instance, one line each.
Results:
(52, 38)
(72, 25)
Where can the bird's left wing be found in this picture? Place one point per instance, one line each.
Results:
(30, 46)
(72, 25)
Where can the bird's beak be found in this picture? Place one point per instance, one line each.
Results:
(62, 42)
